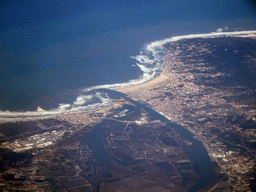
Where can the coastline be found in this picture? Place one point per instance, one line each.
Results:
(144, 86)
(141, 85)
(148, 88)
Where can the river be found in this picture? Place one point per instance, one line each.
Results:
(198, 155)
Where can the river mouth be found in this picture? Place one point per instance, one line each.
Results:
(126, 144)
(114, 129)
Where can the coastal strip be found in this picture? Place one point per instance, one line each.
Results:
(143, 87)
(150, 68)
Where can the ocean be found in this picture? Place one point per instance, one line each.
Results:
(54, 54)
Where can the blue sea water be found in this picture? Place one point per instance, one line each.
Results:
(51, 50)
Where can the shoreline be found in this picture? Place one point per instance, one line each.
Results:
(144, 86)
(132, 88)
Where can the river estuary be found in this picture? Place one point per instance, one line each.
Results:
(198, 155)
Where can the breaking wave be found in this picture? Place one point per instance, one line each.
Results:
(149, 61)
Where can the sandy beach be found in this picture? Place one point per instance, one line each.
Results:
(144, 86)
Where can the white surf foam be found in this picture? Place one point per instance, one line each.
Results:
(83, 102)
(149, 64)
(152, 45)
(151, 67)
(149, 61)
